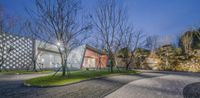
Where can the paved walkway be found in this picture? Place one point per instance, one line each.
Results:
(145, 85)
(11, 87)
(170, 85)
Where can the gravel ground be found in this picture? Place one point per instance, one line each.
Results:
(11, 87)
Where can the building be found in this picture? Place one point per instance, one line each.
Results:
(25, 50)
(94, 58)
(83, 56)
(15, 52)
(47, 55)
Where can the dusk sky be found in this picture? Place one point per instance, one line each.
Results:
(154, 17)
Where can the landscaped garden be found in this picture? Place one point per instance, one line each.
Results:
(75, 76)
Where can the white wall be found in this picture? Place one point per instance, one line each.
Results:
(50, 59)
(47, 58)
(75, 58)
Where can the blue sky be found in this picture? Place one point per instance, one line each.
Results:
(154, 17)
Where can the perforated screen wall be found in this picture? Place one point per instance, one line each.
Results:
(15, 52)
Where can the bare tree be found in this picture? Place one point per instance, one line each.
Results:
(109, 22)
(2, 19)
(152, 42)
(186, 42)
(60, 24)
(32, 30)
(8, 24)
(189, 40)
(130, 42)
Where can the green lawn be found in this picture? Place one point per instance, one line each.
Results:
(25, 72)
(75, 76)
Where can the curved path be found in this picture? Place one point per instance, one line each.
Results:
(170, 85)
(146, 85)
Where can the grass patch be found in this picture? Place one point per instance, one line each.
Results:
(75, 76)
(25, 72)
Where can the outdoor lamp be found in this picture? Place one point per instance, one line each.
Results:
(59, 44)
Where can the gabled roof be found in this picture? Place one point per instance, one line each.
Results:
(95, 49)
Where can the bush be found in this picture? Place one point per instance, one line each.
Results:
(167, 54)
(165, 68)
(179, 51)
(194, 68)
(181, 68)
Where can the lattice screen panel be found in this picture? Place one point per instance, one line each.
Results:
(15, 52)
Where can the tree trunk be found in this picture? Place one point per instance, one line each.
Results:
(111, 65)
(34, 66)
(0, 68)
(111, 68)
(64, 71)
(66, 66)
(63, 67)
(127, 66)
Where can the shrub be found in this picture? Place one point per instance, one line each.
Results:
(167, 54)
(166, 68)
(179, 51)
(181, 68)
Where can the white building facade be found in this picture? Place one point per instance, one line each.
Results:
(49, 56)
(19, 53)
